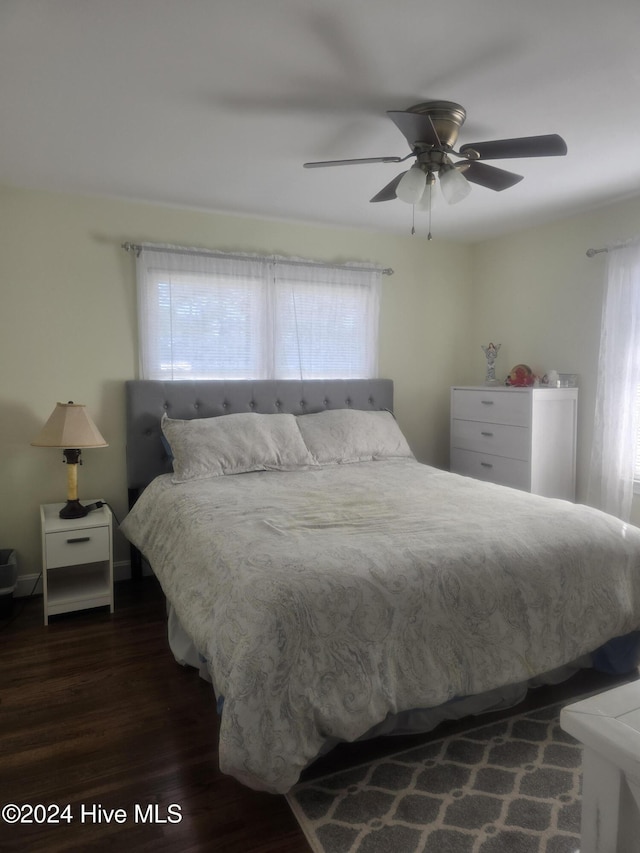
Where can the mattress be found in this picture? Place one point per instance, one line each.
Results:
(325, 601)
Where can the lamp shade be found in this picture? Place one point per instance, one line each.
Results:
(69, 426)
(411, 186)
(428, 199)
(453, 184)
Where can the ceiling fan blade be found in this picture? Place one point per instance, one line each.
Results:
(488, 176)
(415, 127)
(320, 163)
(548, 145)
(388, 193)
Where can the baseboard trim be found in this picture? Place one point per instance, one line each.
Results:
(26, 584)
(122, 571)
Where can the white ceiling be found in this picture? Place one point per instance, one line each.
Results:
(215, 104)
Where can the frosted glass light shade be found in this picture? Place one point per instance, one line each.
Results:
(411, 186)
(428, 199)
(453, 184)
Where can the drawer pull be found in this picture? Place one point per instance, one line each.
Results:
(488, 434)
(79, 539)
(487, 402)
(486, 464)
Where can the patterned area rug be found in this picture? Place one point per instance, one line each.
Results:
(507, 787)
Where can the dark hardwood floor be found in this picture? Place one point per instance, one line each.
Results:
(95, 711)
(96, 714)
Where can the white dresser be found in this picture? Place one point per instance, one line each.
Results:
(519, 437)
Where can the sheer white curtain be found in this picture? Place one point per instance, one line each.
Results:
(325, 321)
(215, 316)
(616, 420)
(199, 313)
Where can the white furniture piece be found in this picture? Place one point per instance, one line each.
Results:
(77, 560)
(609, 727)
(519, 437)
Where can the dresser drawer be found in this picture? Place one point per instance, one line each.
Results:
(501, 407)
(86, 545)
(493, 469)
(499, 439)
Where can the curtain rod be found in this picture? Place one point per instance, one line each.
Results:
(612, 248)
(137, 248)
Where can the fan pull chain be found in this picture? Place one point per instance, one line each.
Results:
(413, 219)
(429, 237)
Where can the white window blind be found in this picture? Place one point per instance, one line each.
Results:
(208, 316)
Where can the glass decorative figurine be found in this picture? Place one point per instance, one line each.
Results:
(491, 352)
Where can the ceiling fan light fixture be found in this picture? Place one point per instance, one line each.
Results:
(411, 187)
(428, 196)
(431, 129)
(453, 184)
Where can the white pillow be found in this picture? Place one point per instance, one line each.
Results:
(352, 435)
(234, 444)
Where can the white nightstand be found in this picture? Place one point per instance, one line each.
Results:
(608, 725)
(77, 560)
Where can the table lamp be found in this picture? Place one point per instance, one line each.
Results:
(70, 428)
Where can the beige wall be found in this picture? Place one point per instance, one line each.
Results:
(68, 325)
(68, 331)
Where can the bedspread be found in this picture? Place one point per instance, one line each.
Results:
(325, 599)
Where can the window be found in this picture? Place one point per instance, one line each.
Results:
(209, 316)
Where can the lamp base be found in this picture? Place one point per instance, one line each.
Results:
(73, 509)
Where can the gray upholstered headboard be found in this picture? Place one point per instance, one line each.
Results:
(148, 400)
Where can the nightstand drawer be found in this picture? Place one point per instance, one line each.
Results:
(511, 441)
(84, 545)
(494, 469)
(502, 407)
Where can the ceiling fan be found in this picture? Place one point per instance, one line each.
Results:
(432, 129)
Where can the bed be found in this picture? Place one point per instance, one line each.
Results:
(332, 588)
